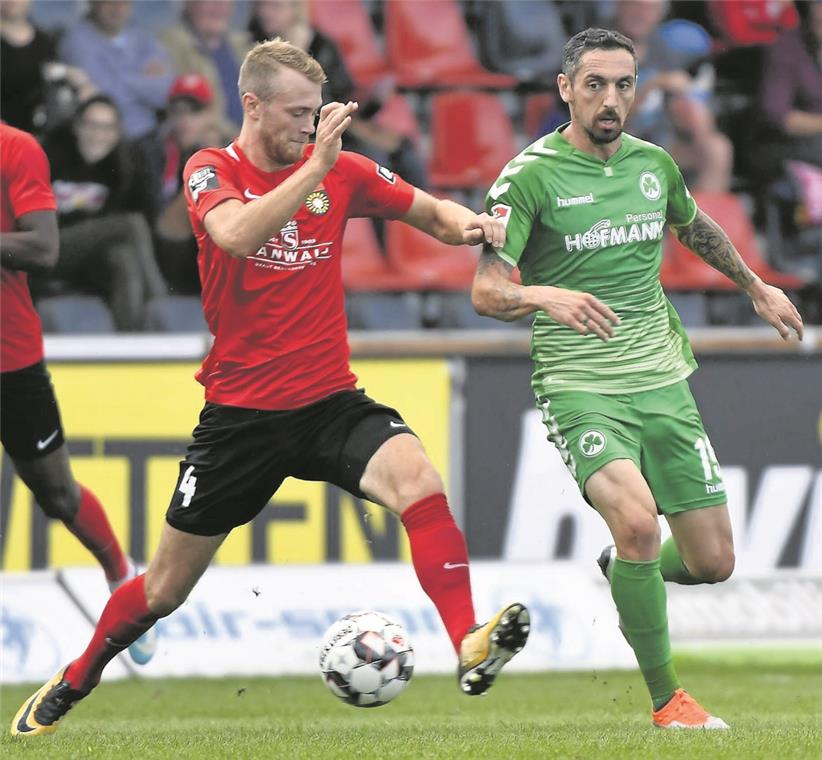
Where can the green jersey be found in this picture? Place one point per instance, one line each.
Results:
(574, 221)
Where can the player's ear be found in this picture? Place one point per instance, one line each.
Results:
(564, 87)
(251, 104)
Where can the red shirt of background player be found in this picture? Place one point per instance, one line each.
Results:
(278, 315)
(25, 187)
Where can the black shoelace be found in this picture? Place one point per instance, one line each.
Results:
(57, 703)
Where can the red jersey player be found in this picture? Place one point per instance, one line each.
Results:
(30, 425)
(269, 213)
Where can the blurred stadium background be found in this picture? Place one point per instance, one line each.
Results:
(452, 90)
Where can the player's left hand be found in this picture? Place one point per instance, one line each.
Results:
(772, 305)
(484, 229)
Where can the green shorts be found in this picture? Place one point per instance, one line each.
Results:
(659, 430)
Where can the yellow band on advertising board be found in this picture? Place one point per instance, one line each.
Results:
(128, 425)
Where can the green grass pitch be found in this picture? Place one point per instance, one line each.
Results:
(773, 705)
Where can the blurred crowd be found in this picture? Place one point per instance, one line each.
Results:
(121, 94)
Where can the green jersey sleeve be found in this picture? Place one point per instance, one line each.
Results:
(681, 206)
(512, 200)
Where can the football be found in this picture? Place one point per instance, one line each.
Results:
(366, 659)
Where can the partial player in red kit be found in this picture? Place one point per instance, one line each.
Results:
(269, 213)
(30, 425)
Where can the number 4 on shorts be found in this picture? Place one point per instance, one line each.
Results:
(188, 485)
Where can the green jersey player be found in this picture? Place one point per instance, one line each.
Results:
(585, 210)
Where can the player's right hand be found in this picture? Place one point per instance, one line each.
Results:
(581, 312)
(335, 118)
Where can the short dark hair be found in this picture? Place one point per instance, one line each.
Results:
(592, 39)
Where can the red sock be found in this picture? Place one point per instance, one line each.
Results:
(125, 618)
(441, 562)
(92, 528)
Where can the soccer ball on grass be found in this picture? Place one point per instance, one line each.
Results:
(366, 659)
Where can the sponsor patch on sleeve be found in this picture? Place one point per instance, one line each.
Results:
(501, 212)
(201, 180)
(387, 175)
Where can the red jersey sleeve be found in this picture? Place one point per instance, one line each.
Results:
(28, 176)
(377, 191)
(210, 177)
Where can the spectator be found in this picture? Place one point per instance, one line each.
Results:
(791, 96)
(190, 124)
(30, 71)
(105, 241)
(203, 43)
(671, 107)
(289, 19)
(125, 63)
(521, 38)
(752, 22)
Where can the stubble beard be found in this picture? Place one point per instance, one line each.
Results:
(600, 137)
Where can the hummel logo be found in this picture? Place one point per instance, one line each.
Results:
(453, 565)
(251, 196)
(396, 424)
(46, 441)
(578, 200)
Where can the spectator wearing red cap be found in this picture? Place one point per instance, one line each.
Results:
(190, 124)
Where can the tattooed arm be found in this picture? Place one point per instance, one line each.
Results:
(494, 295)
(709, 241)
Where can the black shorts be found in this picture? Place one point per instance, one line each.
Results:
(30, 424)
(238, 457)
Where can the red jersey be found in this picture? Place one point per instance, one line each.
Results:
(24, 187)
(278, 315)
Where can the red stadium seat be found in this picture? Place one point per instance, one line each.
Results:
(684, 270)
(535, 111)
(364, 268)
(348, 24)
(426, 263)
(429, 47)
(472, 139)
(398, 116)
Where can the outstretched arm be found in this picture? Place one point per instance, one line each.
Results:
(452, 223)
(495, 295)
(709, 241)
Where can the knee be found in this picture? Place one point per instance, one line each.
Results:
(637, 535)
(714, 568)
(417, 481)
(59, 501)
(164, 597)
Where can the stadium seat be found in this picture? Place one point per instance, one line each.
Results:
(426, 263)
(472, 139)
(383, 311)
(176, 314)
(429, 47)
(75, 314)
(364, 267)
(535, 112)
(683, 270)
(459, 312)
(398, 116)
(347, 23)
(521, 38)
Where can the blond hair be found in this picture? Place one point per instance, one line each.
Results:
(258, 73)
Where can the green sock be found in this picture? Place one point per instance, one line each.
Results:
(639, 593)
(672, 567)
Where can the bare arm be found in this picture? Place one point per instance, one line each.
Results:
(802, 123)
(709, 241)
(242, 228)
(452, 223)
(34, 246)
(494, 295)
